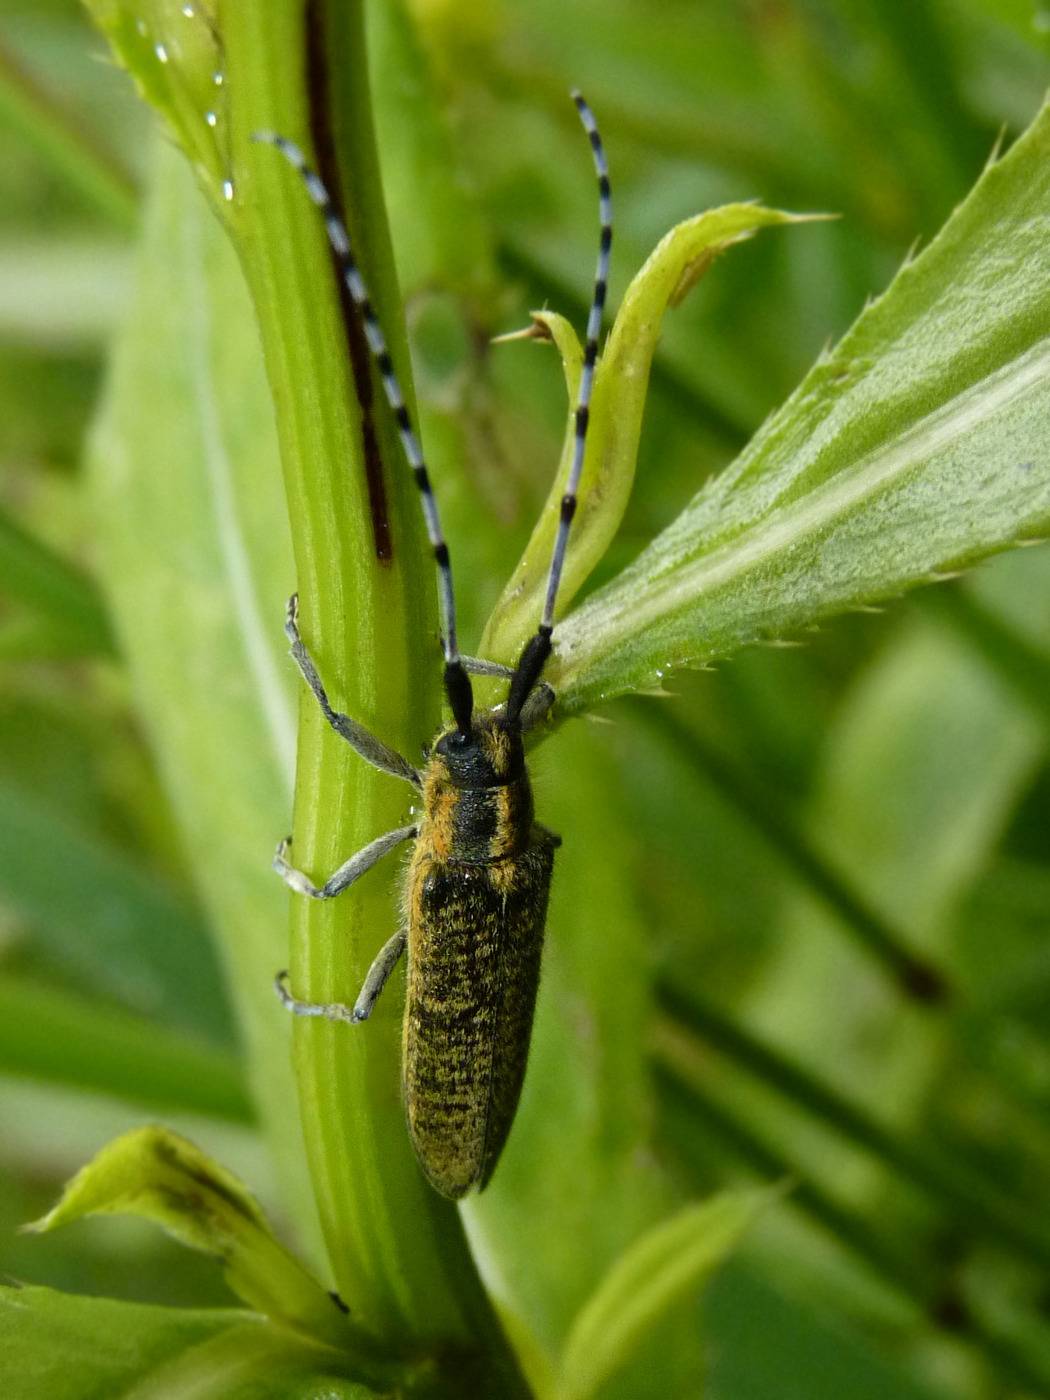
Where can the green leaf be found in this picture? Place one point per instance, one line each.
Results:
(173, 51)
(55, 1346)
(95, 910)
(917, 446)
(117, 1054)
(63, 142)
(665, 1266)
(157, 1174)
(40, 579)
(773, 1342)
(620, 384)
(915, 824)
(60, 296)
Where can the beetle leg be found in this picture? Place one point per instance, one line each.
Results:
(383, 965)
(477, 666)
(371, 749)
(537, 707)
(347, 873)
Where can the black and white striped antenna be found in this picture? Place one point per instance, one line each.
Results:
(457, 682)
(538, 648)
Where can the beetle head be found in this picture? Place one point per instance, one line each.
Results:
(490, 754)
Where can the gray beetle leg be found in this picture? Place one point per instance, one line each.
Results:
(537, 707)
(351, 870)
(371, 749)
(477, 666)
(383, 965)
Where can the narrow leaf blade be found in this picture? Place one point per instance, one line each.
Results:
(117, 1053)
(38, 578)
(665, 1265)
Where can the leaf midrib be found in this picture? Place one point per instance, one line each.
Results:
(673, 575)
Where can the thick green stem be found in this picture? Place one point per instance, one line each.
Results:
(366, 609)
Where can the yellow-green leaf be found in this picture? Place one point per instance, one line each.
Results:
(60, 1346)
(667, 1264)
(620, 385)
(161, 1176)
(173, 52)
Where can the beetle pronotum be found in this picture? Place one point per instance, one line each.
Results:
(479, 876)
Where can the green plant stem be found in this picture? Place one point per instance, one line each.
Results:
(63, 143)
(915, 975)
(366, 606)
(976, 1204)
(690, 1116)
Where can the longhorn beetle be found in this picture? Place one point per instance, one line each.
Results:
(480, 872)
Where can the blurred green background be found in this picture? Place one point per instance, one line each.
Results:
(712, 1008)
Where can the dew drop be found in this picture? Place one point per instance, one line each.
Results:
(227, 189)
(161, 52)
(188, 11)
(211, 118)
(218, 78)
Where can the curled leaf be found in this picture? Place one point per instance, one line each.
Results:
(155, 1173)
(620, 385)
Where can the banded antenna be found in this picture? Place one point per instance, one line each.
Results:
(457, 682)
(538, 648)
